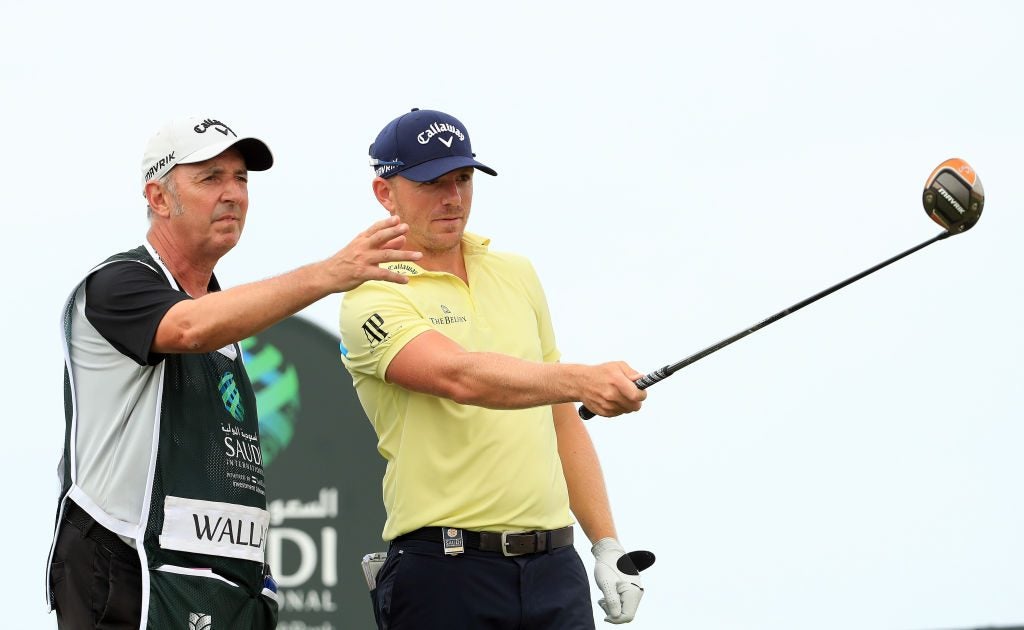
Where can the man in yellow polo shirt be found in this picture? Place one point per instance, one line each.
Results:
(486, 457)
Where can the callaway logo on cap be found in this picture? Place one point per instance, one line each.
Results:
(423, 145)
(194, 139)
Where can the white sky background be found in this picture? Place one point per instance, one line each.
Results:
(677, 172)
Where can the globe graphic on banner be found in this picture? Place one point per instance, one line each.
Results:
(276, 385)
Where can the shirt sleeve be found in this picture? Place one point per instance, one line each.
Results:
(125, 302)
(376, 323)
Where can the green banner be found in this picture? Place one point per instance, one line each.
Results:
(323, 476)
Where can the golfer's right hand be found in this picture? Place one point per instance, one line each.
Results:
(359, 261)
(610, 389)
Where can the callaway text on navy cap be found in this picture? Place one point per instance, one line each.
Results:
(423, 145)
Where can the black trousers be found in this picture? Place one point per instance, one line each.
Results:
(420, 588)
(95, 576)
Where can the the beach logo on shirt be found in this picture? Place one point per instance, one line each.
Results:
(230, 395)
(447, 317)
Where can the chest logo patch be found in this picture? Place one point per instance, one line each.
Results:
(447, 317)
(373, 328)
(231, 397)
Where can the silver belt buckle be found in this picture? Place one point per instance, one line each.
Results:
(504, 543)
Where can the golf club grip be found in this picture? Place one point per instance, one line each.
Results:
(643, 382)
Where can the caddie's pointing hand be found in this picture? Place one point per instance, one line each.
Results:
(359, 260)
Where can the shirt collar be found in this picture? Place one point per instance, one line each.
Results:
(472, 245)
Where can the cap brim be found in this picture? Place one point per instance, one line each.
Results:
(254, 151)
(436, 168)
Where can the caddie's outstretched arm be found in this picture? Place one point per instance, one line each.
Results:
(224, 317)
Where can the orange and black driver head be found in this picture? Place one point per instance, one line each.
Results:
(953, 196)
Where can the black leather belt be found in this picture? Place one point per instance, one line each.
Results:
(93, 530)
(507, 543)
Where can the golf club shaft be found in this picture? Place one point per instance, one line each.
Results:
(660, 374)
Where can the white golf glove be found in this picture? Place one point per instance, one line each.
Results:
(622, 592)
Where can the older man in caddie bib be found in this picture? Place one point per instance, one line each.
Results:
(162, 519)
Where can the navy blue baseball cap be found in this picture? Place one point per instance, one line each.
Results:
(422, 146)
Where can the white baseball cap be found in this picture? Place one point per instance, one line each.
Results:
(194, 139)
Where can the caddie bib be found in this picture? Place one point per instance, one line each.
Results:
(202, 531)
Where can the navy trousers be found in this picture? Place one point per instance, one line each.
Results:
(420, 587)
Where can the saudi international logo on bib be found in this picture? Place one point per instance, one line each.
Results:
(231, 397)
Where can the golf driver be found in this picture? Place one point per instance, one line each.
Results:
(953, 197)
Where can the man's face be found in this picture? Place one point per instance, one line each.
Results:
(436, 211)
(210, 200)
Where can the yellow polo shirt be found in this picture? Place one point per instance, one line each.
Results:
(450, 464)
